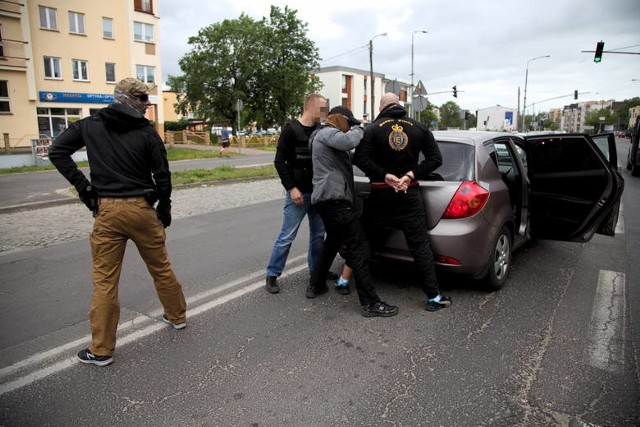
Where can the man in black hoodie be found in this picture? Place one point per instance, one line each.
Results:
(129, 173)
(389, 156)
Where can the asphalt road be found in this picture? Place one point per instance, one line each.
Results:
(558, 345)
(50, 188)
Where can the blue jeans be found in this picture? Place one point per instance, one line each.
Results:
(293, 216)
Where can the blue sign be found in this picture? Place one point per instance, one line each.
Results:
(508, 117)
(87, 98)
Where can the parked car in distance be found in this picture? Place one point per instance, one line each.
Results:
(495, 191)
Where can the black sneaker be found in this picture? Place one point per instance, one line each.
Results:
(442, 302)
(85, 356)
(272, 285)
(182, 325)
(380, 309)
(313, 292)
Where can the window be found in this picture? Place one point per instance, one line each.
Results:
(80, 70)
(52, 68)
(53, 121)
(76, 23)
(143, 6)
(5, 107)
(143, 32)
(107, 28)
(110, 72)
(48, 18)
(145, 73)
(1, 43)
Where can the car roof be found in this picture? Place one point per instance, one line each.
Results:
(468, 137)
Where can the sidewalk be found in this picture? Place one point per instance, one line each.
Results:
(36, 190)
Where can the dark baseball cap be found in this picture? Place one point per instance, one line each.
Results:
(345, 112)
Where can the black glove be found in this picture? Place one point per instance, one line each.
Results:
(89, 197)
(163, 211)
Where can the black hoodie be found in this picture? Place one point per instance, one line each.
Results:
(392, 144)
(126, 155)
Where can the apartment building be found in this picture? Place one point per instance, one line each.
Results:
(574, 115)
(60, 61)
(351, 88)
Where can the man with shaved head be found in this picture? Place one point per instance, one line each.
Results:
(389, 155)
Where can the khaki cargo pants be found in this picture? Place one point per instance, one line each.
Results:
(118, 220)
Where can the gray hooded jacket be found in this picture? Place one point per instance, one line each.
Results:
(332, 168)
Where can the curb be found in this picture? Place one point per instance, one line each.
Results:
(69, 200)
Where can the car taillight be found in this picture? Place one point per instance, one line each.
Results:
(468, 201)
(442, 259)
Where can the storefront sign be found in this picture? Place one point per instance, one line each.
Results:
(87, 98)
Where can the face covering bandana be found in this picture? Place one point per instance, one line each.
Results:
(135, 102)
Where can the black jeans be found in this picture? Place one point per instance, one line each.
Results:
(384, 209)
(342, 225)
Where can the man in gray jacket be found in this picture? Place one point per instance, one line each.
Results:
(333, 197)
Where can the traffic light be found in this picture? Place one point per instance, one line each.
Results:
(455, 92)
(575, 94)
(599, 48)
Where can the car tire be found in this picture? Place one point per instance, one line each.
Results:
(499, 262)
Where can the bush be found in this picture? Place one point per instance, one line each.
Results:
(176, 126)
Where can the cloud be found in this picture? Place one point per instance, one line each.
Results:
(482, 47)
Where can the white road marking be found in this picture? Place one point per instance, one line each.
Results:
(137, 334)
(620, 224)
(605, 346)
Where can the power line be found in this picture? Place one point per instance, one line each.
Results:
(346, 53)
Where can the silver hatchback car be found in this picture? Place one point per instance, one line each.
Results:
(494, 191)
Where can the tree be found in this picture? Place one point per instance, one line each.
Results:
(428, 115)
(593, 118)
(450, 115)
(622, 112)
(264, 63)
(283, 80)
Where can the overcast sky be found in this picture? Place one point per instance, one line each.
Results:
(482, 47)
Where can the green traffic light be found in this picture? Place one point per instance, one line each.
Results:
(599, 48)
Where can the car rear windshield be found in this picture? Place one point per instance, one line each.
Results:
(457, 162)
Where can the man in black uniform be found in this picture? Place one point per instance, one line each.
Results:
(389, 156)
(129, 173)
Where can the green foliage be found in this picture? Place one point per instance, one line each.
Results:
(176, 126)
(428, 115)
(450, 115)
(622, 112)
(593, 118)
(263, 63)
(221, 173)
(176, 153)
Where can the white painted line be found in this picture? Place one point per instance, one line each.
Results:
(620, 225)
(605, 346)
(134, 335)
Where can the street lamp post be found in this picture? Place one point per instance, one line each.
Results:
(526, 79)
(371, 71)
(412, 34)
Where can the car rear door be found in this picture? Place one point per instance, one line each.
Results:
(575, 187)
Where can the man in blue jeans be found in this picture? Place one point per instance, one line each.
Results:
(293, 163)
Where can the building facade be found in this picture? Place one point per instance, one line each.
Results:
(60, 61)
(498, 118)
(351, 88)
(574, 115)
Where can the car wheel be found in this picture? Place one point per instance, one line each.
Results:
(499, 263)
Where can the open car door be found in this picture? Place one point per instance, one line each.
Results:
(575, 186)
